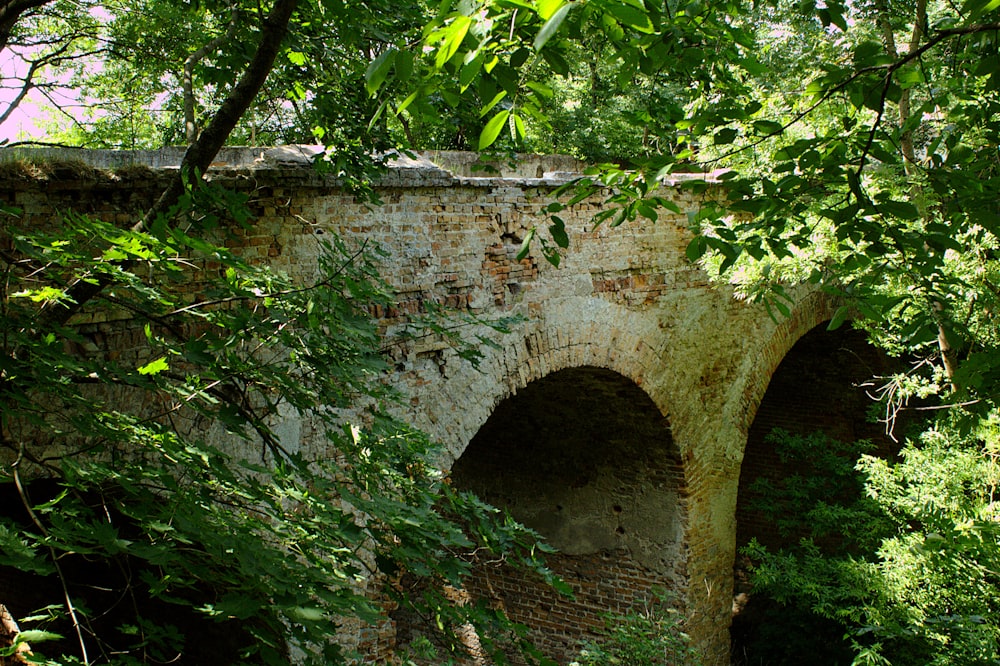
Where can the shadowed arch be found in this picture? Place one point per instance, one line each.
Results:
(813, 309)
(573, 332)
(817, 392)
(584, 456)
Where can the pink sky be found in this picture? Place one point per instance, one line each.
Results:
(21, 125)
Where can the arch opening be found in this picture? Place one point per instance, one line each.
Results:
(818, 394)
(584, 457)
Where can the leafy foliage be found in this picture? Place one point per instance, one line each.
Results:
(856, 141)
(650, 636)
(906, 569)
(153, 73)
(166, 460)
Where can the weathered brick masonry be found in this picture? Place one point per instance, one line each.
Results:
(626, 309)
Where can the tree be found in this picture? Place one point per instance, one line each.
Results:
(157, 473)
(152, 74)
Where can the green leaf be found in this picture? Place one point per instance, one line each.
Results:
(404, 65)
(866, 53)
(540, 89)
(526, 244)
(407, 102)
(647, 210)
(378, 70)
(493, 102)
(378, 114)
(908, 77)
(154, 367)
(492, 129)
(517, 127)
(838, 318)
(628, 14)
(901, 209)
(306, 614)
(768, 127)
(519, 57)
(979, 7)
(551, 26)
(696, 248)
(558, 232)
(614, 32)
(453, 36)
(469, 72)
(551, 254)
(546, 8)
(36, 636)
(725, 135)
(556, 61)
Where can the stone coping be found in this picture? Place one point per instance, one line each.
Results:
(424, 168)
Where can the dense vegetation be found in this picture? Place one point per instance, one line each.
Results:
(860, 142)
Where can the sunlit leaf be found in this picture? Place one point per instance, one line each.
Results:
(551, 26)
(522, 252)
(452, 37)
(154, 367)
(493, 129)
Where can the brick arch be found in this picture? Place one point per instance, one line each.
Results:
(582, 332)
(814, 308)
(625, 300)
(583, 456)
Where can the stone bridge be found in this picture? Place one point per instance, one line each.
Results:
(614, 418)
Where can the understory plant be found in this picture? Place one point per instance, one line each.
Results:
(646, 636)
(906, 571)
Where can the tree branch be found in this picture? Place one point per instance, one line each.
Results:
(22, 494)
(53, 58)
(888, 68)
(187, 78)
(199, 154)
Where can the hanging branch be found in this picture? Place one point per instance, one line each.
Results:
(187, 78)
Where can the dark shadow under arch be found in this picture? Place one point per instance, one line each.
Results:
(584, 457)
(821, 386)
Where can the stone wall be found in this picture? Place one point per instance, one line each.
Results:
(625, 300)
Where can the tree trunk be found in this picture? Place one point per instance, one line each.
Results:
(8, 634)
(10, 12)
(910, 165)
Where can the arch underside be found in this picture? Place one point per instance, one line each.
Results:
(819, 392)
(705, 374)
(584, 457)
